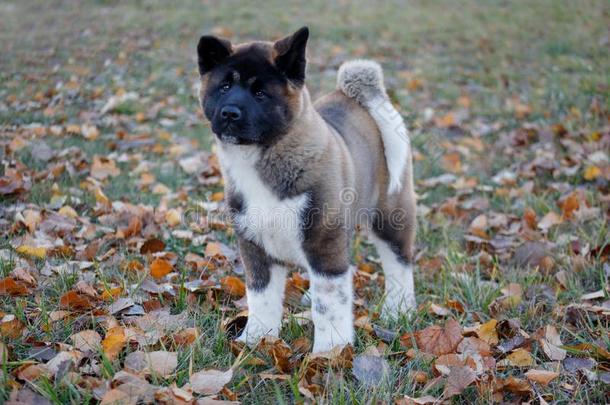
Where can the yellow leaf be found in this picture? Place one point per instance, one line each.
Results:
(592, 172)
(114, 342)
(37, 252)
(68, 211)
(100, 197)
(173, 217)
(520, 358)
(487, 332)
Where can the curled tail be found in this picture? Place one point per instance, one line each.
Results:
(362, 80)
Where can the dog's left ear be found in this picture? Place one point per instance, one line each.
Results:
(290, 55)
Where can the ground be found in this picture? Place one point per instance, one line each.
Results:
(119, 279)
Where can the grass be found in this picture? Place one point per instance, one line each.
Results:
(551, 56)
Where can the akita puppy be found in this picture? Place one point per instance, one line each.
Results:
(301, 176)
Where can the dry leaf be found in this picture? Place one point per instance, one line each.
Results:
(209, 382)
(87, 340)
(158, 362)
(550, 344)
(75, 301)
(114, 342)
(439, 340)
(160, 268)
(487, 332)
(9, 286)
(233, 286)
(543, 377)
(458, 379)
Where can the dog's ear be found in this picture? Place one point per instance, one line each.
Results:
(211, 51)
(290, 55)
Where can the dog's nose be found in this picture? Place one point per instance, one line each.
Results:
(230, 113)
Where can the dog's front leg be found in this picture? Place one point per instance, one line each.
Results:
(331, 309)
(265, 281)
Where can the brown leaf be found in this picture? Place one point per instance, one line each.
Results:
(87, 340)
(458, 379)
(160, 268)
(550, 344)
(75, 301)
(186, 337)
(543, 377)
(158, 362)
(439, 340)
(152, 245)
(209, 382)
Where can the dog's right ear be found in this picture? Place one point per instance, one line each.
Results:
(211, 51)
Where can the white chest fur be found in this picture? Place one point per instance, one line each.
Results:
(270, 222)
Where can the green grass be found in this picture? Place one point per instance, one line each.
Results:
(548, 54)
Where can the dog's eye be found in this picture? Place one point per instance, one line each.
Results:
(225, 87)
(260, 95)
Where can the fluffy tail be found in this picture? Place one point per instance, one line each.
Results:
(362, 80)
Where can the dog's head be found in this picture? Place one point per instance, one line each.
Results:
(251, 93)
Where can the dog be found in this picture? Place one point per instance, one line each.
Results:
(300, 178)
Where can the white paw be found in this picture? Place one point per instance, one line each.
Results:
(325, 344)
(254, 332)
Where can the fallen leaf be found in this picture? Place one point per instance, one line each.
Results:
(32, 251)
(9, 286)
(542, 377)
(458, 379)
(158, 362)
(160, 268)
(551, 342)
(114, 342)
(549, 220)
(519, 358)
(86, 341)
(209, 382)
(75, 301)
(487, 332)
(152, 245)
(233, 286)
(370, 371)
(439, 340)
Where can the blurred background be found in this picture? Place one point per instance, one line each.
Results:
(543, 57)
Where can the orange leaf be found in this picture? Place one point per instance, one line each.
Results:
(569, 205)
(233, 286)
(75, 301)
(592, 172)
(160, 268)
(114, 342)
(8, 286)
(529, 216)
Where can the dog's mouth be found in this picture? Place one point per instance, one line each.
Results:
(237, 136)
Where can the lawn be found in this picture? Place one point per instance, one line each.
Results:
(119, 278)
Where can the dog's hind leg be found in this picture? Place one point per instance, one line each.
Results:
(265, 282)
(393, 233)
